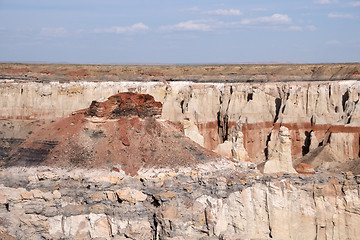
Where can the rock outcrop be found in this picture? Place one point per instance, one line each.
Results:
(126, 105)
(316, 113)
(122, 132)
(42, 203)
(130, 167)
(234, 148)
(192, 131)
(280, 160)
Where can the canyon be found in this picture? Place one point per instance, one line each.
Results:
(211, 155)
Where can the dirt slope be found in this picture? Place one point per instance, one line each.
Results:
(122, 132)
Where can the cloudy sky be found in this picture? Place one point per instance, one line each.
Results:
(179, 31)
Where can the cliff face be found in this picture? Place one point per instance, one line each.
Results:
(316, 113)
(148, 181)
(226, 204)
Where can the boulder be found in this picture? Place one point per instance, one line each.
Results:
(304, 168)
(131, 195)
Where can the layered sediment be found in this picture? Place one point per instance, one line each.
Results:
(46, 203)
(122, 132)
(317, 113)
(126, 152)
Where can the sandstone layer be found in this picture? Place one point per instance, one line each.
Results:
(136, 161)
(317, 103)
(46, 203)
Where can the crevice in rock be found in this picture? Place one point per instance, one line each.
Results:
(283, 108)
(277, 108)
(268, 213)
(345, 98)
(156, 225)
(312, 121)
(359, 147)
(287, 95)
(266, 150)
(223, 126)
(155, 202)
(349, 120)
(306, 147)
(249, 97)
(7, 206)
(182, 106)
(327, 140)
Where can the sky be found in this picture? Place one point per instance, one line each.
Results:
(179, 31)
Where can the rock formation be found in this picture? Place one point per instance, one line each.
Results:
(325, 110)
(192, 131)
(234, 148)
(280, 160)
(126, 167)
(42, 203)
(304, 168)
(122, 131)
(238, 150)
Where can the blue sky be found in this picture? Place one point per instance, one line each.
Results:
(179, 31)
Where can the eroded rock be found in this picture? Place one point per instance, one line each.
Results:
(280, 159)
(123, 131)
(218, 204)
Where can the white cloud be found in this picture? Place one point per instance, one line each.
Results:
(325, 1)
(54, 32)
(340, 15)
(191, 25)
(213, 24)
(274, 19)
(137, 27)
(333, 42)
(225, 12)
(355, 4)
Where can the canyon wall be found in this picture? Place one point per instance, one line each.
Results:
(266, 120)
(44, 203)
(316, 113)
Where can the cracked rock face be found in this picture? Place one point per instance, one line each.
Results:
(123, 169)
(280, 160)
(219, 204)
(322, 117)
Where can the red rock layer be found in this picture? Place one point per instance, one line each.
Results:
(125, 105)
(256, 136)
(123, 133)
